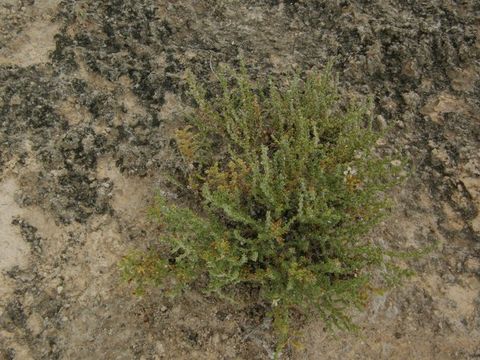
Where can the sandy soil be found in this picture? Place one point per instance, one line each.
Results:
(88, 92)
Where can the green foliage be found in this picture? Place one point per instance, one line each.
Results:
(284, 186)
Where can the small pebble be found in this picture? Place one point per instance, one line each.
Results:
(381, 122)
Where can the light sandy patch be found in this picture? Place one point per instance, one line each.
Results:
(454, 301)
(476, 224)
(21, 351)
(129, 99)
(472, 184)
(33, 45)
(47, 229)
(437, 106)
(462, 297)
(132, 106)
(172, 106)
(14, 250)
(452, 220)
(463, 79)
(74, 112)
(130, 194)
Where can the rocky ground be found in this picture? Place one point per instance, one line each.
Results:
(88, 92)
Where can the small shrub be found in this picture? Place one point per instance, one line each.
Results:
(283, 185)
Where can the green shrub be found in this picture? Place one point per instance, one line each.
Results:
(283, 184)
